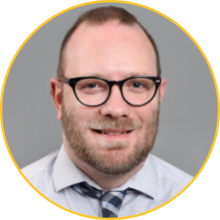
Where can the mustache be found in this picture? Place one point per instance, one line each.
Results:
(108, 123)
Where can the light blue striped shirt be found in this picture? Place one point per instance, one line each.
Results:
(55, 174)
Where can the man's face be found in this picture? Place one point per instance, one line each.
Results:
(125, 133)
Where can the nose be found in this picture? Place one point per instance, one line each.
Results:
(115, 107)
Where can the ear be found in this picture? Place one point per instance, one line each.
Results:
(56, 93)
(162, 88)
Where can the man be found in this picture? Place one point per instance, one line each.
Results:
(107, 95)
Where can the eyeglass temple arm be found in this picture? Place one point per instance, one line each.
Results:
(64, 79)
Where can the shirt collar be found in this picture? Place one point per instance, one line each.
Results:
(66, 173)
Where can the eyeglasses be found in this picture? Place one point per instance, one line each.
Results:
(95, 91)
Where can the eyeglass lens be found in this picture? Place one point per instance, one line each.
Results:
(136, 91)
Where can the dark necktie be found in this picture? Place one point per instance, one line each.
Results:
(111, 201)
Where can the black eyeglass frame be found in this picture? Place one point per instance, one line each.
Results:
(73, 81)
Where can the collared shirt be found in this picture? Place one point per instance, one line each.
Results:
(154, 184)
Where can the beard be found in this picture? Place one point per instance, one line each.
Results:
(106, 157)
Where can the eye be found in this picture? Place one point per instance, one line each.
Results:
(137, 85)
(91, 85)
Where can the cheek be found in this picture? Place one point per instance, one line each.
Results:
(143, 113)
(147, 112)
(83, 113)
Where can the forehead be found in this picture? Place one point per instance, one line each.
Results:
(111, 49)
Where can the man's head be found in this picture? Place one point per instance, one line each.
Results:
(115, 137)
(101, 16)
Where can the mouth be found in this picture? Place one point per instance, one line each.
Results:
(112, 132)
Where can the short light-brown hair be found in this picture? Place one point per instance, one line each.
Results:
(100, 16)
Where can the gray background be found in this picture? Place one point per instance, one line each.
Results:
(188, 111)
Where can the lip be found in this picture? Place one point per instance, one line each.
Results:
(114, 131)
(115, 135)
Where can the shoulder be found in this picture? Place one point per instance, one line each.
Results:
(41, 168)
(169, 175)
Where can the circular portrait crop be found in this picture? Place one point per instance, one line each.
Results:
(110, 110)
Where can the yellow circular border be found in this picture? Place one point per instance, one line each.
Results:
(124, 2)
